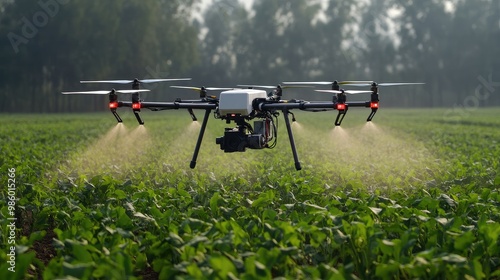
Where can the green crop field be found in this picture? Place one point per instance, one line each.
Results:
(415, 194)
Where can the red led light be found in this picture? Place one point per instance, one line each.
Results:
(136, 106)
(341, 106)
(374, 105)
(233, 115)
(113, 105)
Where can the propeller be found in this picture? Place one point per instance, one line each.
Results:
(145, 81)
(345, 91)
(103, 92)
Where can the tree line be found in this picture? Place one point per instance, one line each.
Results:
(50, 45)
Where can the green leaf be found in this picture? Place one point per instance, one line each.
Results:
(311, 206)
(79, 270)
(222, 266)
(387, 270)
(497, 180)
(194, 271)
(448, 200)
(123, 220)
(478, 269)
(80, 253)
(387, 247)
(214, 203)
(264, 199)
(375, 210)
(464, 241)
(120, 194)
(143, 217)
(442, 221)
(454, 258)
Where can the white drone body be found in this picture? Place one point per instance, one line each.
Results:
(239, 101)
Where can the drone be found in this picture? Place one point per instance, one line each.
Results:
(245, 103)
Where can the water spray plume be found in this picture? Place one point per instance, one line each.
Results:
(115, 152)
(138, 134)
(113, 133)
(370, 127)
(339, 133)
(180, 147)
(194, 126)
(296, 126)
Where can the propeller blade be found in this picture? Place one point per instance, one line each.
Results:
(183, 87)
(399, 84)
(89, 92)
(132, 90)
(357, 91)
(360, 85)
(355, 82)
(199, 89)
(345, 91)
(328, 91)
(257, 86)
(102, 92)
(216, 88)
(308, 83)
(296, 86)
(145, 81)
(148, 81)
(383, 84)
(108, 82)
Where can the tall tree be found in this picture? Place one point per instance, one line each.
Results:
(423, 33)
(336, 50)
(223, 23)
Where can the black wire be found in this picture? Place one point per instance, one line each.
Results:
(275, 132)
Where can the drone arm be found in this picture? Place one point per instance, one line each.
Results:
(369, 104)
(305, 105)
(316, 106)
(365, 104)
(179, 105)
(301, 105)
(172, 105)
(158, 106)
